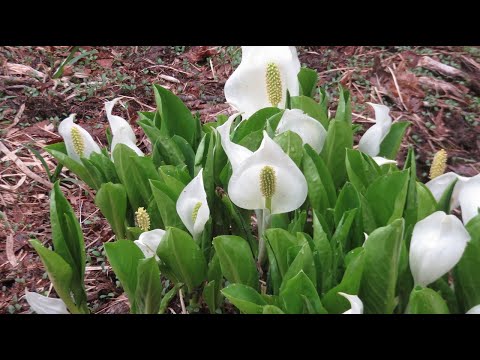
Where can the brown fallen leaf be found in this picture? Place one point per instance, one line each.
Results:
(200, 53)
(106, 63)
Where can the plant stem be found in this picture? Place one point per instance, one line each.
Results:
(263, 224)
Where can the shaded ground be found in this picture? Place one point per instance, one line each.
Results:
(437, 89)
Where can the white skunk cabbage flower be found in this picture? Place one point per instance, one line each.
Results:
(264, 179)
(373, 137)
(475, 310)
(78, 141)
(437, 245)
(45, 305)
(355, 302)
(148, 242)
(310, 130)
(466, 193)
(262, 78)
(122, 132)
(192, 206)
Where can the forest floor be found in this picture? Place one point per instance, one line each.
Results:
(437, 89)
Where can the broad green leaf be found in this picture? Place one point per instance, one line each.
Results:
(181, 254)
(339, 241)
(350, 284)
(298, 222)
(410, 213)
(387, 195)
(187, 151)
(391, 143)
(380, 273)
(279, 240)
(123, 256)
(322, 255)
(308, 82)
(272, 310)
(112, 201)
(426, 301)
(106, 166)
(295, 289)
(59, 273)
(303, 261)
(466, 273)
(148, 293)
(176, 117)
(349, 199)
(255, 123)
(169, 297)
(311, 108)
(167, 152)
(252, 141)
(445, 200)
(59, 152)
(166, 206)
(426, 202)
(67, 235)
(135, 172)
(241, 223)
(361, 172)
(292, 144)
(246, 299)
(236, 260)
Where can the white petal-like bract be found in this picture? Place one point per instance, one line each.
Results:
(355, 302)
(78, 142)
(45, 305)
(148, 242)
(373, 137)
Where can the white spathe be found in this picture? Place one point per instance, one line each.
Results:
(290, 184)
(475, 310)
(466, 192)
(355, 302)
(437, 245)
(309, 129)
(382, 161)
(122, 137)
(122, 132)
(246, 89)
(85, 140)
(45, 305)
(237, 154)
(148, 242)
(373, 137)
(192, 206)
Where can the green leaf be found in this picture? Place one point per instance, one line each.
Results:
(148, 293)
(382, 258)
(176, 118)
(106, 166)
(187, 151)
(166, 206)
(292, 144)
(295, 289)
(135, 173)
(467, 281)
(252, 141)
(350, 284)
(246, 299)
(339, 138)
(321, 189)
(322, 254)
(148, 126)
(391, 143)
(243, 226)
(59, 273)
(67, 235)
(303, 261)
(181, 254)
(298, 222)
(361, 171)
(426, 202)
(112, 201)
(272, 310)
(349, 199)
(387, 195)
(123, 256)
(236, 260)
(426, 301)
(279, 241)
(311, 108)
(255, 123)
(410, 213)
(445, 200)
(59, 152)
(169, 297)
(308, 79)
(339, 241)
(166, 151)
